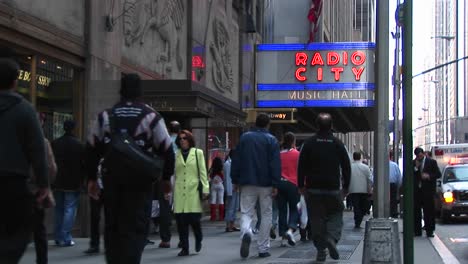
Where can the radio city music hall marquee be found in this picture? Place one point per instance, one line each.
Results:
(315, 75)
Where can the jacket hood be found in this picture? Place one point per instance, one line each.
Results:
(8, 99)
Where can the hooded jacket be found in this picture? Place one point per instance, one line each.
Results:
(21, 140)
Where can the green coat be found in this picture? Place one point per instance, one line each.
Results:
(186, 197)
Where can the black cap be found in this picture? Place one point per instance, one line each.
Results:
(131, 86)
(418, 150)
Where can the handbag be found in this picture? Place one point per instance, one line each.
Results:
(200, 184)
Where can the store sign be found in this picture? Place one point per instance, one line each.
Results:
(41, 79)
(277, 115)
(315, 75)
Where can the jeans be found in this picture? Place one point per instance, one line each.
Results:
(15, 223)
(65, 212)
(274, 214)
(232, 207)
(288, 197)
(250, 195)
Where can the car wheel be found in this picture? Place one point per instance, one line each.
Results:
(445, 215)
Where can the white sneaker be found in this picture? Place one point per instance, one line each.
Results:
(290, 237)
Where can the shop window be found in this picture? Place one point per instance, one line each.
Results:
(54, 95)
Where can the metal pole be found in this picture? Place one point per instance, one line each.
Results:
(396, 93)
(408, 182)
(381, 184)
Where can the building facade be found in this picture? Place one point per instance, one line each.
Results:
(338, 21)
(195, 57)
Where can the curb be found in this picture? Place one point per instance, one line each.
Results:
(444, 253)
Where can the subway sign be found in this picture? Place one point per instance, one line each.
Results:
(315, 75)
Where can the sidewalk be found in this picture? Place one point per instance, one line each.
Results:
(222, 247)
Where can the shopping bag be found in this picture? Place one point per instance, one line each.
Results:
(302, 208)
(155, 209)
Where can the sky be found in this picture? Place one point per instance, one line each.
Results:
(422, 32)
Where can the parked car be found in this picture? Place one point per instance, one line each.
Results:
(452, 190)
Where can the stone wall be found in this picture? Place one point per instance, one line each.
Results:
(68, 15)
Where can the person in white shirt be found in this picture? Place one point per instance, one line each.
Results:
(359, 188)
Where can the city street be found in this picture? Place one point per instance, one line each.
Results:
(222, 247)
(455, 237)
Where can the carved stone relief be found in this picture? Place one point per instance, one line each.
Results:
(220, 49)
(161, 24)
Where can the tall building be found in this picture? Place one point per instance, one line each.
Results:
(195, 58)
(329, 21)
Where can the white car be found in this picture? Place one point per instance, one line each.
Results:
(452, 191)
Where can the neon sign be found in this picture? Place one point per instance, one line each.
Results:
(316, 74)
(333, 58)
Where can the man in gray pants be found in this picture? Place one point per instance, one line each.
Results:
(322, 158)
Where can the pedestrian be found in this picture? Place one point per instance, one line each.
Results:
(69, 155)
(96, 204)
(395, 184)
(164, 220)
(322, 158)
(256, 171)
(217, 189)
(165, 217)
(232, 196)
(190, 173)
(426, 172)
(22, 147)
(39, 230)
(127, 192)
(288, 195)
(359, 188)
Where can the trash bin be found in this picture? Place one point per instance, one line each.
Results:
(381, 241)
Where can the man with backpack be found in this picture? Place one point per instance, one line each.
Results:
(129, 137)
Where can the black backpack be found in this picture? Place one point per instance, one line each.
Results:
(127, 163)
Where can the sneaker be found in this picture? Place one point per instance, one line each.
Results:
(92, 250)
(245, 245)
(255, 231)
(321, 255)
(264, 255)
(272, 233)
(290, 237)
(331, 245)
(70, 243)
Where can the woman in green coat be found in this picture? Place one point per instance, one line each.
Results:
(190, 169)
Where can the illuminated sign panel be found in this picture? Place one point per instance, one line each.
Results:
(315, 75)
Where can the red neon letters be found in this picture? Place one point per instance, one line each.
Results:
(333, 58)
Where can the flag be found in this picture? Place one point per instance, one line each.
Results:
(314, 17)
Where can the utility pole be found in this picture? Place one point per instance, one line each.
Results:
(408, 181)
(396, 88)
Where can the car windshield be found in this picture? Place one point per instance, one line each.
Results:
(456, 174)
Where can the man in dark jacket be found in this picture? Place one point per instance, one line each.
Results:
(127, 195)
(69, 156)
(322, 158)
(426, 172)
(22, 147)
(256, 168)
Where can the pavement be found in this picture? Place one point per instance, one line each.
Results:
(222, 247)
